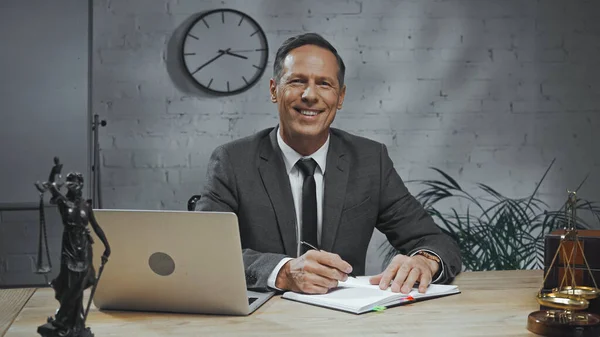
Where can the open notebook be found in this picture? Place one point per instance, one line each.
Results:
(357, 296)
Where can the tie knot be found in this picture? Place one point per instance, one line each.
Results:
(307, 166)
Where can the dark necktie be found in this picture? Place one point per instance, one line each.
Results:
(309, 203)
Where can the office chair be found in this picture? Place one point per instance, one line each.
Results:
(191, 205)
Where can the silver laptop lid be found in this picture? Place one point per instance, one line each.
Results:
(173, 261)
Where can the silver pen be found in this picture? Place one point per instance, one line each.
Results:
(318, 250)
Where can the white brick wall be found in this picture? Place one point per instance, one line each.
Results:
(487, 90)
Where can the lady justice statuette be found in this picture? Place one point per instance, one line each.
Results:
(76, 270)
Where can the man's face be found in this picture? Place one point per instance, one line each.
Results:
(308, 94)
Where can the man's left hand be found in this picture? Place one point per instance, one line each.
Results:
(404, 271)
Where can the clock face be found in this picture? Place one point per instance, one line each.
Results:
(225, 51)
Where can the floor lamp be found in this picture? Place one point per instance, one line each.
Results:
(96, 188)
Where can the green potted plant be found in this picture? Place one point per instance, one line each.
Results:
(494, 232)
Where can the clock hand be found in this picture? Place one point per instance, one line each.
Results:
(221, 53)
(233, 54)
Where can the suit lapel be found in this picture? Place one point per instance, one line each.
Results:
(277, 183)
(336, 180)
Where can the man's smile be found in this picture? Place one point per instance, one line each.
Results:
(307, 112)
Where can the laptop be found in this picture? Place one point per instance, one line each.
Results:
(173, 261)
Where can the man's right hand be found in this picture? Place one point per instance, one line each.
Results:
(315, 272)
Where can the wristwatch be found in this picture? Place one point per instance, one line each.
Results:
(431, 257)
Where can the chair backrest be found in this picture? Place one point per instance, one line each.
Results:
(191, 205)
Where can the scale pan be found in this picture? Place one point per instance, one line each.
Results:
(562, 301)
(588, 293)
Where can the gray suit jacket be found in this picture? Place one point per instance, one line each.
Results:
(362, 191)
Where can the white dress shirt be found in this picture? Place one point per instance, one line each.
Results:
(290, 157)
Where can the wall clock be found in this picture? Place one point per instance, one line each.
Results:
(224, 52)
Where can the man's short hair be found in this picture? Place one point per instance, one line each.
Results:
(301, 40)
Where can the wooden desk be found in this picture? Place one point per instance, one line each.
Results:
(11, 303)
(491, 304)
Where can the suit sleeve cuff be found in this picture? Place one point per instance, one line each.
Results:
(441, 272)
(273, 276)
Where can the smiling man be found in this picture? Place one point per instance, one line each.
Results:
(309, 196)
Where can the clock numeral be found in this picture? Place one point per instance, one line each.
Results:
(257, 67)
(254, 33)
(245, 80)
(223, 17)
(188, 54)
(193, 36)
(242, 19)
(260, 49)
(209, 83)
(228, 86)
(206, 23)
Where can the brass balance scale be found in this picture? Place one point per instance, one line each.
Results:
(567, 302)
